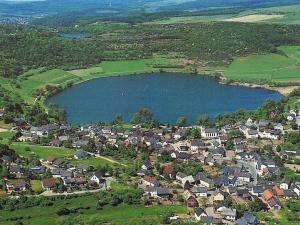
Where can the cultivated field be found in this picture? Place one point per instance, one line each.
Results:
(275, 68)
(281, 14)
(119, 215)
(253, 18)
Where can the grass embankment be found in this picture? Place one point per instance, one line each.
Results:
(122, 214)
(281, 68)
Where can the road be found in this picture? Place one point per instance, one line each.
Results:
(107, 159)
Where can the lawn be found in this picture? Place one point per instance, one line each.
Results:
(274, 218)
(4, 125)
(278, 68)
(6, 134)
(294, 102)
(95, 162)
(122, 214)
(36, 186)
(42, 152)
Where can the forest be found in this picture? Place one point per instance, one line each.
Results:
(26, 47)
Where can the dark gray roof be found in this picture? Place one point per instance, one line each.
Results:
(199, 211)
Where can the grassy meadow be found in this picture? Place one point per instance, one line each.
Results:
(95, 162)
(6, 135)
(39, 78)
(270, 68)
(119, 215)
(43, 152)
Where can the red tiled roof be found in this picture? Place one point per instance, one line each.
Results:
(49, 182)
(267, 194)
(150, 179)
(278, 191)
(168, 169)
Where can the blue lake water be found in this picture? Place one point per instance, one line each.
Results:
(168, 95)
(75, 35)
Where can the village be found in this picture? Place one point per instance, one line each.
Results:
(211, 170)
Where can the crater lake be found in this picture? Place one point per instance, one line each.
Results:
(167, 95)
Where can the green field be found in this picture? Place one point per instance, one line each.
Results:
(286, 15)
(36, 186)
(4, 125)
(124, 67)
(6, 134)
(38, 79)
(281, 218)
(42, 152)
(278, 68)
(95, 162)
(119, 215)
(291, 14)
(294, 102)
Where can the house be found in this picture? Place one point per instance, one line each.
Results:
(271, 200)
(158, 192)
(196, 145)
(229, 214)
(209, 220)
(252, 134)
(50, 160)
(257, 190)
(209, 132)
(247, 219)
(149, 181)
(97, 178)
(80, 154)
(48, 184)
(218, 152)
(1, 113)
(15, 186)
(296, 188)
(16, 170)
(284, 184)
(26, 136)
(5, 159)
(190, 199)
(274, 204)
(199, 213)
(288, 194)
(188, 181)
(243, 177)
(168, 170)
(37, 170)
(278, 191)
(206, 182)
(199, 191)
(147, 165)
(218, 196)
(62, 173)
(180, 176)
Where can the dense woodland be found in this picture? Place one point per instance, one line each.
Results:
(25, 47)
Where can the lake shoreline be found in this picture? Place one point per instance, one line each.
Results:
(156, 91)
(284, 90)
